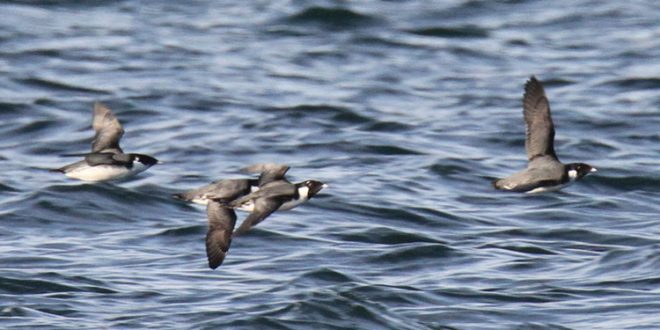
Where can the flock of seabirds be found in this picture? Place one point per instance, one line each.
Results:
(271, 191)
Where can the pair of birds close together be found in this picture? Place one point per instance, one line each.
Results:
(261, 197)
(271, 191)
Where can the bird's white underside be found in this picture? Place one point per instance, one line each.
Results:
(105, 172)
(550, 188)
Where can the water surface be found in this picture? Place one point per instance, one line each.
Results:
(406, 109)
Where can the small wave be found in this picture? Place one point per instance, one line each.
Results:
(61, 3)
(59, 86)
(35, 127)
(391, 213)
(196, 230)
(53, 315)
(629, 183)
(335, 113)
(413, 254)
(558, 82)
(322, 276)
(62, 203)
(11, 108)
(384, 235)
(5, 187)
(334, 18)
(387, 126)
(382, 41)
(27, 286)
(573, 235)
(525, 248)
(327, 309)
(390, 150)
(448, 169)
(451, 32)
(635, 83)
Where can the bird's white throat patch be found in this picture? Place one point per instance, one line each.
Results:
(138, 167)
(303, 196)
(572, 175)
(303, 192)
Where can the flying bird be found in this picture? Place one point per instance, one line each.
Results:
(276, 195)
(544, 171)
(107, 161)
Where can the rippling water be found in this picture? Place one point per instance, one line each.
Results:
(407, 109)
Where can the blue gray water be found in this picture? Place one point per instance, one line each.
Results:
(406, 109)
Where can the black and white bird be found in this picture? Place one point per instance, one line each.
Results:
(107, 161)
(273, 196)
(544, 171)
(221, 222)
(230, 189)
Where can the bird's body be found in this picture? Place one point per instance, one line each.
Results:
(542, 175)
(227, 189)
(544, 171)
(290, 195)
(230, 189)
(83, 171)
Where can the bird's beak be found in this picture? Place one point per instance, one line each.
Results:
(160, 162)
(324, 186)
(593, 170)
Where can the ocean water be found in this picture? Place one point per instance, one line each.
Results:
(407, 109)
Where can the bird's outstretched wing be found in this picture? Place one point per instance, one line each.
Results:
(540, 129)
(218, 237)
(269, 172)
(263, 207)
(108, 130)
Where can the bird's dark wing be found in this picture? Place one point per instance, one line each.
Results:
(263, 207)
(107, 158)
(276, 189)
(108, 130)
(540, 130)
(269, 172)
(218, 238)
